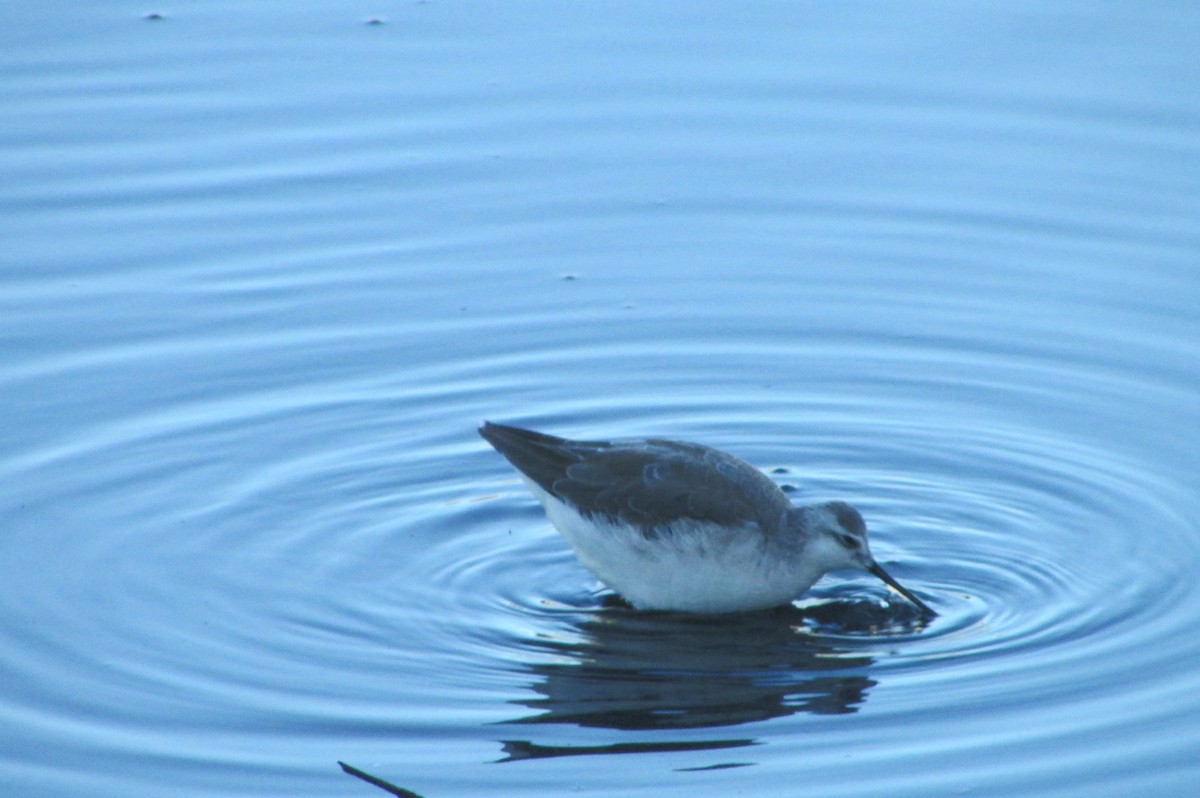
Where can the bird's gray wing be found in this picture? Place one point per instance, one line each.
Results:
(651, 484)
(540, 457)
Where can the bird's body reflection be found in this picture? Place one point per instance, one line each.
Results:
(639, 671)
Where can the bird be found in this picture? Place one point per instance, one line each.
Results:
(684, 527)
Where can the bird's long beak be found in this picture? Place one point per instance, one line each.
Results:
(877, 569)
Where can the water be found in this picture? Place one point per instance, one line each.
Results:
(266, 267)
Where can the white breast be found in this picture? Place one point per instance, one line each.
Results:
(690, 566)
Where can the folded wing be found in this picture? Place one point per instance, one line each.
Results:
(648, 484)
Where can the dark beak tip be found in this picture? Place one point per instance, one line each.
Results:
(877, 570)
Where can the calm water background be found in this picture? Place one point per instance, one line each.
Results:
(265, 266)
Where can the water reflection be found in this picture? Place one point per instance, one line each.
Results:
(634, 671)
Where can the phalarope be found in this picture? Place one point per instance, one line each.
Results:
(684, 527)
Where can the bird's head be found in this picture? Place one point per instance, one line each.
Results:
(838, 539)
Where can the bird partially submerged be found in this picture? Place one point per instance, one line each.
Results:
(680, 526)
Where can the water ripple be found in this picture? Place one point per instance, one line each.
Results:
(249, 528)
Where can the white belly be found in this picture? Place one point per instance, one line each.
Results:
(691, 566)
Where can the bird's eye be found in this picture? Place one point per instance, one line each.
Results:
(850, 542)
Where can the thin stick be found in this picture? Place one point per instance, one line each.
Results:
(380, 783)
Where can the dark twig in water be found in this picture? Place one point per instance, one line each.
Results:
(380, 783)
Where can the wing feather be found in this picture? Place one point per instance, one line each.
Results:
(647, 483)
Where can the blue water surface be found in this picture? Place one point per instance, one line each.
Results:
(266, 266)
